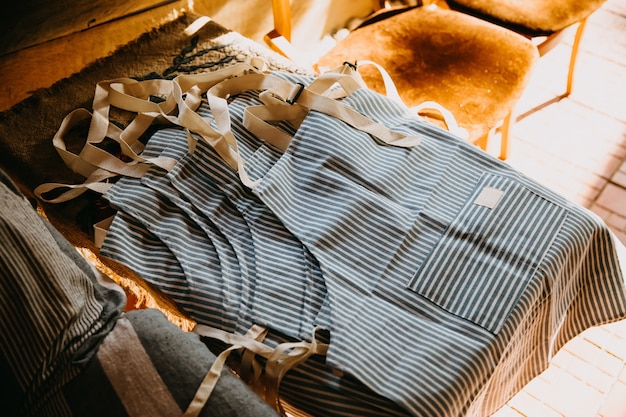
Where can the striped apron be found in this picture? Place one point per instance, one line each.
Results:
(437, 258)
(446, 278)
(165, 231)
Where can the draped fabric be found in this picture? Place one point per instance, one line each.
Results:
(427, 277)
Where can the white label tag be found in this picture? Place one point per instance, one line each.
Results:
(489, 197)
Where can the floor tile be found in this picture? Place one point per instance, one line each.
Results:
(615, 405)
(577, 146)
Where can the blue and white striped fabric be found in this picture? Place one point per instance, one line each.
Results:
(137, 240)
(279, 282)
(435, 258)
(211, 284)
(446, 278)
(289, 290)
(290, 293)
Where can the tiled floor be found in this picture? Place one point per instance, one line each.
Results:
(577, 146)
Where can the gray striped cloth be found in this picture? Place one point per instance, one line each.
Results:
(53, 310)
(452, 276)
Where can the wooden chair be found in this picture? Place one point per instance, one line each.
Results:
(475, 69)
(543, 21)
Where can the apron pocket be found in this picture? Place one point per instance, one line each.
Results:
(489, 252)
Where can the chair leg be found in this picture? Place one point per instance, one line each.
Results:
(505, 130)
(483, 141)
(572, 61)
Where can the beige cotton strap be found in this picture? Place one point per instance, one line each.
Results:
(285, 357)
(72, 160)
(222, 139)
(205, 80)
(133, 96)
(428, 107)
(250, 369)
(96, 178)
(244, 341)
(345, 76)
(291, 94)
(189, 119)
(208, 384)
(97, 181)
(256, 120)
(212, 377)
(100, 230)
(391, 91)
(279, 360)
(337, 83)
(297, 93)
(96, 164)
(96, 175)
(355, 119)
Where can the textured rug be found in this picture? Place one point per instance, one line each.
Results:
(27, 129)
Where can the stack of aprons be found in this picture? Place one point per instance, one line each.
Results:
(208, 242)
(444, 278)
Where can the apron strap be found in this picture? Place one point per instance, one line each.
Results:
(189, 119)
(279, 360)
(291, 94)
(210, 380)
(153, 101)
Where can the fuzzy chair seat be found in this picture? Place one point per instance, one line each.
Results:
(529, 17)
(473, 68)
(543, 21)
